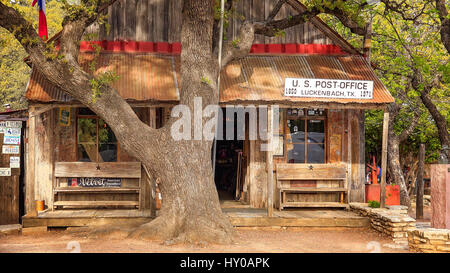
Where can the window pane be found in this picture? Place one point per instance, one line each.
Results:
(315, 153)
(296, 131)
(105, 134)
(87, 139)
(108, 152)
(87, 152)
(296, 153)
(316, 131)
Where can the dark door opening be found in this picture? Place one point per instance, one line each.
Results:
(230, 163)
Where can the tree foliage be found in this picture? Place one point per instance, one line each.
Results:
(14, 72)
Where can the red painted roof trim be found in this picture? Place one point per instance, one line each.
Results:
(175, 48)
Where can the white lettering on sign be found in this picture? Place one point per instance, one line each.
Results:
(11, 124)
(10, 149)
(327, 88)
(5, 171)
(11, 139)
(14, 162)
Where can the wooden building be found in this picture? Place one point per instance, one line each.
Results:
(74, 160)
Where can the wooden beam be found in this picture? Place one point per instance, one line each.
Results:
(33, 112)
(384, 159)
(269, 162)
(30, 166)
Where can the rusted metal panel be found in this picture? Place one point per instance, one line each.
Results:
(256, 78)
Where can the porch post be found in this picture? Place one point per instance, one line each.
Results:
(30, 156)
(269, 162)
(384, 159)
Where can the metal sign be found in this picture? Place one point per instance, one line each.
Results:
(14, 162)
(94, 182)
(328, 88)
(11, 124)
(10, 149)
(12, 131)
(5, 171)
(11, 139)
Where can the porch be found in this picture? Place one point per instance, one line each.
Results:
(240, 216)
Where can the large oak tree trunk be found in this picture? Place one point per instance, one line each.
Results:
(190, 208)
(395, 168)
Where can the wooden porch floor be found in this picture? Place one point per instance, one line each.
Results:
(240, 215)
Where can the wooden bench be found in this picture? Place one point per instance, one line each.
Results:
(285, 173)
(130, 171)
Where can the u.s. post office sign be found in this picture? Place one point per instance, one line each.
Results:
(328, 88)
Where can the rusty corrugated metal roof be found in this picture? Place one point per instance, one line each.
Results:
(261, 78)
(146, 77)
(142, 77)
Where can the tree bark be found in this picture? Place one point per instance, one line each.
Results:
(394, 141)
(419, 194)
(441, 124)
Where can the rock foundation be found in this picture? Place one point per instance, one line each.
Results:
(429, 240)
(392, 221)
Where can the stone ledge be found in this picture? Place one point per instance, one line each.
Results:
(429, 240)
(392, 221)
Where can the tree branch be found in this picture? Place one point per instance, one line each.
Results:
(412, 125)
(275, 10)
(73, 80)
(240, 46)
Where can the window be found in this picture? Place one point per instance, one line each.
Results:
(95, 140)
(305, 135)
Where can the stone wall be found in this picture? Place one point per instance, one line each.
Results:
(392, 221)
(429, 240)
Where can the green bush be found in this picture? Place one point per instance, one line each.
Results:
(374, 204)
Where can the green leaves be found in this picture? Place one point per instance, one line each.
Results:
(14, 73)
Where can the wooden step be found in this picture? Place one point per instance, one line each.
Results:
(314, 205)
(94, 190)
(311, 189)
(95, 203)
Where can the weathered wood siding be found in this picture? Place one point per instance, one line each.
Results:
(9, 190)
(49, 142)
(160, 21)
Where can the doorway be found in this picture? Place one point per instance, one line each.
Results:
(231, 163)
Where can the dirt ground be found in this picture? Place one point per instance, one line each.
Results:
(342, 240)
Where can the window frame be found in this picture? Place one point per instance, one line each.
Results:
(97, 118)
(305, 118)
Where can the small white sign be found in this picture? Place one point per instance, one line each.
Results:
(11, 139)
(12, 131)
(11, 124)
(10, 149)
(5, 171)
(14, 162)
(328, 88)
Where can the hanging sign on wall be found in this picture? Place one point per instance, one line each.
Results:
(328, 88)
(10, 149)
(5, 171)
(14, 162)
(11, 139)
(64, 116)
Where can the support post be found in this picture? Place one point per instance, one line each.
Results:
(384, 159)
(269, 162)
(30, 166)
(419, 189)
